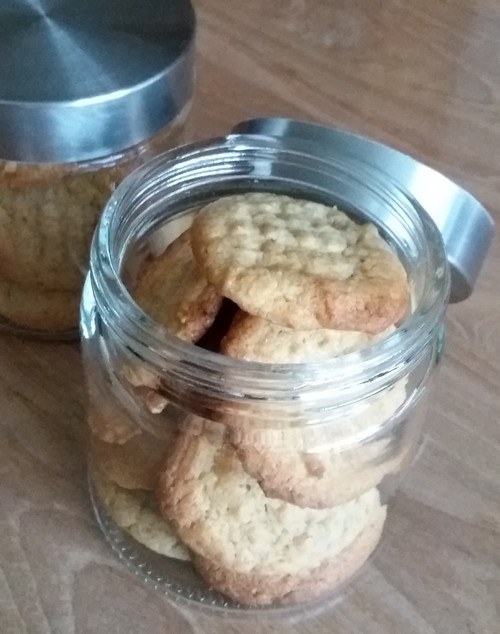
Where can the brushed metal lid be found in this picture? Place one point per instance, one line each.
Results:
(465, 225)
(82, 79)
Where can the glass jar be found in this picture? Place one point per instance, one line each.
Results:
(66, 144)
(48, 214)
(232, 483)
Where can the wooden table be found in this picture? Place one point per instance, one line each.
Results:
(423, 76)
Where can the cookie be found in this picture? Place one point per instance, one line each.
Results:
(326, 578)
(173, 292)
(256, 549)
(299, 264)
(134, 464)
(35, 309)
(325, 464)
(312, 465)
(136, 512)
(119, 410)
(138, 375)
(107, 419)
(255, 339)
(145, 386)
(47, 223)
(111, 426)
(212, 339)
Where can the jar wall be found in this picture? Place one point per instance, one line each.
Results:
(48, 213)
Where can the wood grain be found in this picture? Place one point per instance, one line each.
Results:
(424, 77)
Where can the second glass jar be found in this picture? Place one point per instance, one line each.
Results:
(48, 216)
(100, 101)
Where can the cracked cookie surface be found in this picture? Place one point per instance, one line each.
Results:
(299, 263)
(256, 549)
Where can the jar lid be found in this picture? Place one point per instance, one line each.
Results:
(465, 225)
(80, 80)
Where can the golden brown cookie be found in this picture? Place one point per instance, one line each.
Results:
(256, 549)
(299, 264)
(35, 309)
(173, 292)
(145, 386)
(255, 339)
(310, 465)
(326, 464)
(134, 464)
(136, 512)
(111, 426)
(264, 589)
(107, 418)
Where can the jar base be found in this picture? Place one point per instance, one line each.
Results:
(178, 581)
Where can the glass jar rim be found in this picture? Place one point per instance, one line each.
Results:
(379, 363)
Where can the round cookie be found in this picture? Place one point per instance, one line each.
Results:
(325, 464)
(299, 264)
(136, 512)
(255, 339)
(256, 549)
(172, 291)
(314, 466)
(39, 310)
(134, 464)
(326, 578)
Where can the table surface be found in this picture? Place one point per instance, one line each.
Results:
(424, 77)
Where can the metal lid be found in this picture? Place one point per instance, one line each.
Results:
(82, 79)
(465, 225)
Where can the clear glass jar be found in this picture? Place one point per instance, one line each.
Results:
(48, 214)
(237, 484)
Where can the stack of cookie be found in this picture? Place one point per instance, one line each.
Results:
(48, 214)
(267, 514)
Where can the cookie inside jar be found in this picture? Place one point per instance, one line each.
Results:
(276, 500)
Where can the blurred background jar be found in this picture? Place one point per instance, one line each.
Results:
(346, 427)
(88, 91)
